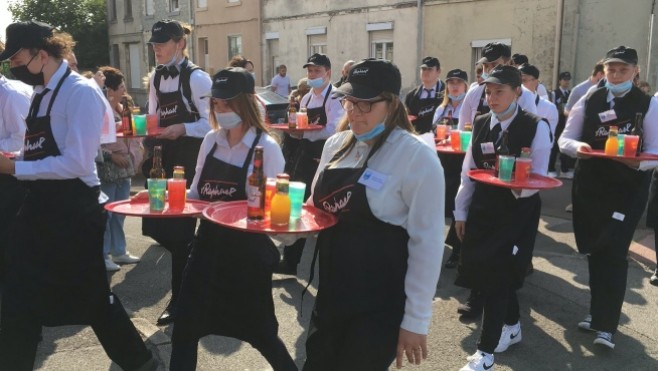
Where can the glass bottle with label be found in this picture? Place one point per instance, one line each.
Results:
(292, 116)
(280, 206)
(256, 188)
(503, 149)
(612, 144)
(157, 171)
(638, 129)
(126, 118)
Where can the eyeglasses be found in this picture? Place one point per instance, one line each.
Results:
(364, 106)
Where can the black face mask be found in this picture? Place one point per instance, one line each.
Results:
(24, 75)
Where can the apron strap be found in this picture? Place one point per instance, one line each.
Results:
(59, 85)
(247, 160)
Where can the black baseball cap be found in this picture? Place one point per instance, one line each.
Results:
(22, 35)
(231, 82)
(507, 75)
(621, 54)
(318, 59)
(565, 75)
(369, 78)
(528, 69)
(493, 51)
(519, 59)
(457, 74)
(429, 62)
(166, 30)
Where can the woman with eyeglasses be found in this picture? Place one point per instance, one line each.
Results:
(380, 264)
(227, 284)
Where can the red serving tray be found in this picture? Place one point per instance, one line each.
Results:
(535, 182)
(157, 132)
(140, 208)
(447, 148)
(234, 215)
(8, 155)
(285, 128)
(598, 153)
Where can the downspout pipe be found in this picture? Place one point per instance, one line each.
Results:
(558, 42)
(419, 38)
(650, 41)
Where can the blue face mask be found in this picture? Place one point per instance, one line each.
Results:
(484, 75)
(457, 98)
(228, 120)
(618, 89)
(372, 134)
(316, 83)
(505, 114)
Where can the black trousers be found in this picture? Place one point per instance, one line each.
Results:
(20, 334)
(12, 195)
(607, 282)
(363, 342)
(566, 162)
(501, 307)
(293, 254)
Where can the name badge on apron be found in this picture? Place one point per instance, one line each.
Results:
(373, 179)
(487, 148)
(607, 115)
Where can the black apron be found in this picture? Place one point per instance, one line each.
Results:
(303, 156)
(363, 260)
(180, 152)
(424, 109)
(227, 285)
(483, 107)
(56, 272)
(497, 221)
(452, 170)
(12, 194)
(603, 187)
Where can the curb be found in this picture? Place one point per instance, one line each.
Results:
(642, 252)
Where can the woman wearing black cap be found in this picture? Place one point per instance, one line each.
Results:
(175, 92)
(380, 264)
(497, 226)
(227, 287)
(448, 114)
(56, 272)
(609, 195)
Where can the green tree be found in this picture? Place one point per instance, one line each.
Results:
(85, 20)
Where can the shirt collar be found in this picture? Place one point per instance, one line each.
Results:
(610, 96)
(505, 123)
(247, 139)
(324, 92)
(54, 79)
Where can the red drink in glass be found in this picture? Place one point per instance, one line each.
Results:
(523, 167)
(455, 141)
(177, 194)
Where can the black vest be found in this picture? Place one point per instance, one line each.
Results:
(595, 132)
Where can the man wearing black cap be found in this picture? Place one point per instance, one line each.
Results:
(560, 97)
(423, 100)
(497, 225)
(609, 194)
(14, 104)
(175, 95)
(493, 54)
(303, 149)
(56, 274)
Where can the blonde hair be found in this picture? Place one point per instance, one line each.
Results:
(246, 106)
(446, 98)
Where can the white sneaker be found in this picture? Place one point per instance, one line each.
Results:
(126, 259)
(552, 174)
(510, 335)
(586, 324)
(567, 175)
(605, 339)
(110, 266)
(479, 361)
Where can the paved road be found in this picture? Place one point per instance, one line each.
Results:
(553, 300)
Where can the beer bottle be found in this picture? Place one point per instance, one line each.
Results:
(468, 127)
(525, 152)
(179, 172)
(638, 129)
(256, 188)
(612, 144)
(126, 118)
(503, 149)
(292, 116)
(157, 171)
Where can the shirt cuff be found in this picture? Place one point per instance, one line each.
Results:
(24, 168)
(415, 325)
(460, 216)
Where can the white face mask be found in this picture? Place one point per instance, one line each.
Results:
(228, 120)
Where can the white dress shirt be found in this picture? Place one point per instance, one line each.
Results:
(443, 111)
(541, 151)
(333, 109)
(578, 92)
(273, 161)
(14, 104)
(547, 110)
(541, 90)
(472, 101)
(200, 85)
(569, 141)
(412, 197)
(76, 120)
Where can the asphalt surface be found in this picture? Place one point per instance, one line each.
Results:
(553, 300)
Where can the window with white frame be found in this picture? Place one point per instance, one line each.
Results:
(381, 44)
(204, 54)
(173, 5)
(150, 7)
(202, 3)
(317, 44)
(234, 45)
(476, 50)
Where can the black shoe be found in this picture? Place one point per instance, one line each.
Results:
(168, 315)
(654, 279)
(473, 306)
(284, 268)
(452, 261)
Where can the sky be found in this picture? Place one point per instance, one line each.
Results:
(5, 18)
